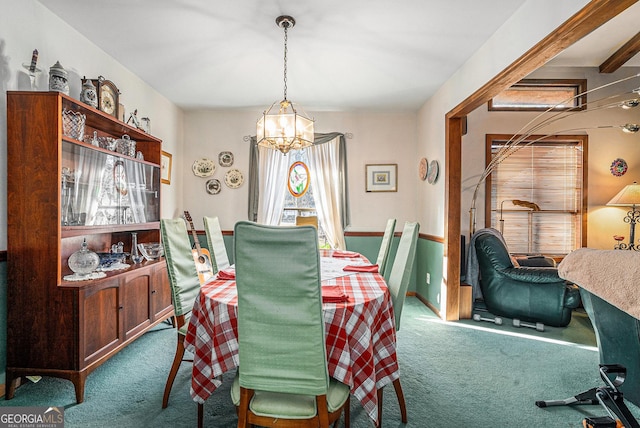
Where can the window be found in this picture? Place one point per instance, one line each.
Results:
(327, 163)
(542, 95)
(300, 201)
(535, 196)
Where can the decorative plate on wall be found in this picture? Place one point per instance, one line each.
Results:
(618, 167)
(204, 167)
(233, 178)
(434, 169)
(225, 158)
(213, 186)
(423, 168)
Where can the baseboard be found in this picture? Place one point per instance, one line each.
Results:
(428, 304)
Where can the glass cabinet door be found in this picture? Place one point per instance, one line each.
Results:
(99, 189)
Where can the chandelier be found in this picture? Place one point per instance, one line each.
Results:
(282, 127)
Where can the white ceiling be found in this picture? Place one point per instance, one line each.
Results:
(343, 55)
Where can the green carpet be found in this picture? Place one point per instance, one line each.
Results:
(454, 374)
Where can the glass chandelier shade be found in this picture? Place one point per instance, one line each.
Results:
(283, 128)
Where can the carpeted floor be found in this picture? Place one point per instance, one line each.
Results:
(454, 374)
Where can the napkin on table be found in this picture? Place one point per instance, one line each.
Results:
(342, 253)
(361, 268)
(226, 274)
(334, 295)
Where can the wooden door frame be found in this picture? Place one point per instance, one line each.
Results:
(590, 17)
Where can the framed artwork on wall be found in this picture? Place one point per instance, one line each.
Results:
(165, 167)
(382, 177)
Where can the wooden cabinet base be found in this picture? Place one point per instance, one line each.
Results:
(78, 378)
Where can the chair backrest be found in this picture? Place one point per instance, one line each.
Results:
(281, 342)
(215, 242)
(183, 276)
(402, 267)
(491, 251)
(385, 245)
(307, 220)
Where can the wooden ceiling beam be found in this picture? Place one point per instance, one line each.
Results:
(592, 16)
(622, 55)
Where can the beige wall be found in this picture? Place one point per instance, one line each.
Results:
(377, 138)
(605, 145)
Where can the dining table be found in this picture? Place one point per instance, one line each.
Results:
(359, 328)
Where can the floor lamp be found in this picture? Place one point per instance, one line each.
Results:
(629, 196)
(526, 204)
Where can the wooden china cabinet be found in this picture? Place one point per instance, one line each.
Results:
(62, 191)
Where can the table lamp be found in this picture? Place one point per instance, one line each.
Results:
(629, 196)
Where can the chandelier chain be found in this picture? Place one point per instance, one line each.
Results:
(286, 27)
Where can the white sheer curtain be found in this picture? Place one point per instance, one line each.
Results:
(273, 167)
(326, 180)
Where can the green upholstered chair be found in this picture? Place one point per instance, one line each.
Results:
(385, 246)
(534, 294)
(282, 377)
(215, 242)
(184, 283)
(398, 284)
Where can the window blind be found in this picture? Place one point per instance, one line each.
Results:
(547, 175)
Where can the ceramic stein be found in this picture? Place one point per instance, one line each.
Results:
(58, 79)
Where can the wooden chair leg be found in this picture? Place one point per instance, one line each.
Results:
(200, 415)
(400, 394)
(380, 406)
(347, 414)
(403, 406)
(174, 370)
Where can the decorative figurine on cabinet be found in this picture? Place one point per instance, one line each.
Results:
(58, 79)
(89, 94)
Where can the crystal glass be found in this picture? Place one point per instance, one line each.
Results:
(136, 257)
(73, 124)
(84, 261)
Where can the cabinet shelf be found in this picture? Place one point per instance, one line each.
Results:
(73, 231)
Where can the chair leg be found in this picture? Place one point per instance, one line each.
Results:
(174, 370)
(400, 394)
(380, 390)
(200, 415)
(347, 414)
(403, 407)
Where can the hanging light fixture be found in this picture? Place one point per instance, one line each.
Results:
(284, 129)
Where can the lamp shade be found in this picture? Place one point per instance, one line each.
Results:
(628, 196)
(285, 130)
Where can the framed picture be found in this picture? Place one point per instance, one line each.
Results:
(382, 178)
(165, 167)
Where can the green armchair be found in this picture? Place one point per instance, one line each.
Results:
(533, 294)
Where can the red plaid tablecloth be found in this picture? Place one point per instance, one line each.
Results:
(361, 337)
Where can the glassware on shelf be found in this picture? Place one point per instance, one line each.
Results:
(73, 124)
(136, 257)
(68, 180)
(84, 261)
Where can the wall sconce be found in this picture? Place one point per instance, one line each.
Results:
(629, 196)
